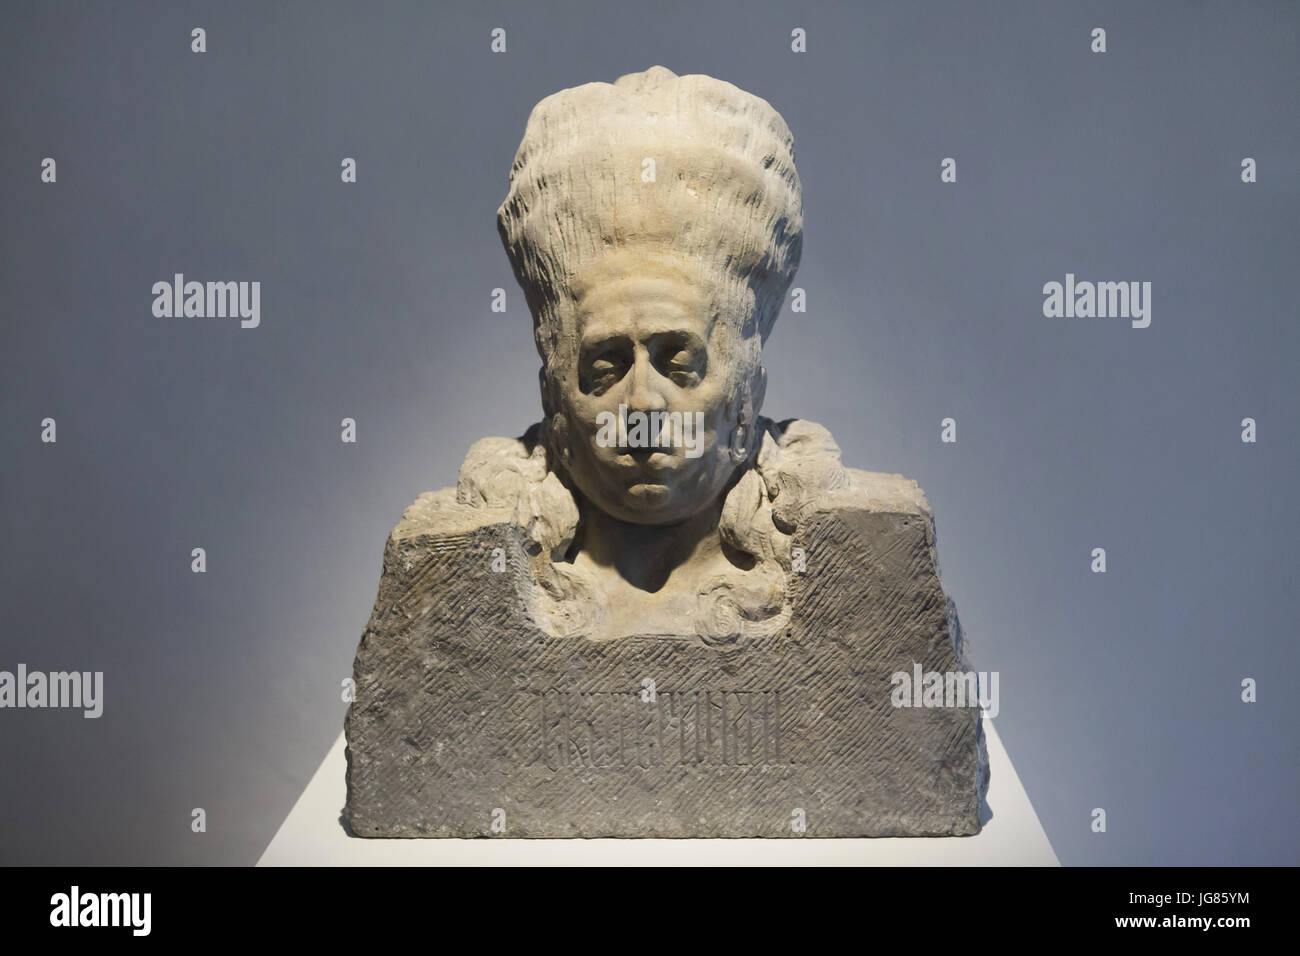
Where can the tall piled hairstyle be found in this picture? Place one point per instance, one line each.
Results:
(651, 165)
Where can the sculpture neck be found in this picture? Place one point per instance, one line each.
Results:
(645, 556)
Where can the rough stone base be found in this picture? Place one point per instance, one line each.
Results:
(467, 715)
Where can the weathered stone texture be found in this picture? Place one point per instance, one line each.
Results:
(465, 706)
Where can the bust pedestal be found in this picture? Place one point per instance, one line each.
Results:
(469, 715)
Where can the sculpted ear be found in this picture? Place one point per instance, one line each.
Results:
(760, 390)
(743, 410)
(545, 388)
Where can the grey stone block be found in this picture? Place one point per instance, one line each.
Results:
(465, 707)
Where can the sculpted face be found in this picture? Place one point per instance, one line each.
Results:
(652, 295)
(644, 344)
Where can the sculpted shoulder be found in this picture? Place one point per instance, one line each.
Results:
(797, 472)
(800, 463)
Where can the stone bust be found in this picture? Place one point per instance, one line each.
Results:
(659, 613)
(682, 230)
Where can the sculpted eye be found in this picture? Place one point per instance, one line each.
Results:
(600, 373)
(682, 364)
(683, 359)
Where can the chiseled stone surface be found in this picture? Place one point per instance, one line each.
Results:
(465, 706)
(659, 613)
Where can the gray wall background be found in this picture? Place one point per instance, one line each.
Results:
(222, 690)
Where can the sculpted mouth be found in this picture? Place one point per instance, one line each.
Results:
(646, 490)
(646, 460)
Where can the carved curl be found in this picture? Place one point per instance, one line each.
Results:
(795, 465)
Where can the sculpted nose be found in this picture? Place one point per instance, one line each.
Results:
(645, 394)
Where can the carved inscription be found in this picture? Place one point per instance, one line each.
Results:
(611, 730)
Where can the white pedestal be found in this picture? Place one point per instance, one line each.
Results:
(313, 836)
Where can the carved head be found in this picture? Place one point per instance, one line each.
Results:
(655, 225)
